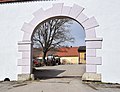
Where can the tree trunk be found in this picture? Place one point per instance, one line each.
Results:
(43, 59)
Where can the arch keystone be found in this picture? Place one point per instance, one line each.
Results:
(57, 8)
(66, 10)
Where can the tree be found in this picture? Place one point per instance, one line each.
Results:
(52, 34)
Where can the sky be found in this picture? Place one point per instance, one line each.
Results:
(78, 33)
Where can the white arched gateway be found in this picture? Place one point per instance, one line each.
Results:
(75, 12)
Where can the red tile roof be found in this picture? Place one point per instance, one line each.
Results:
(67, 52)
(11, 1)
(62, 52)
(6, 0)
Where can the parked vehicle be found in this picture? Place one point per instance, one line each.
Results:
(53, 60)
(35, 63)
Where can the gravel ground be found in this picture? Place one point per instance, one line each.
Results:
(59, 79)
(58, 85)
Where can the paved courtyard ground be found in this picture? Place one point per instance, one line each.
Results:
(60, 71)
(64, 79)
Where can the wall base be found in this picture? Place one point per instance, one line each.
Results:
(91, 77)
(23, 77)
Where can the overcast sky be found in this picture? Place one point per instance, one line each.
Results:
(78, 33)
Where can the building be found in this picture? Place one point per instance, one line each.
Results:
(82, 54)
(99, 18)
(5, 1)
(69, 55)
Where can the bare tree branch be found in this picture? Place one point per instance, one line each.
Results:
(52, 34)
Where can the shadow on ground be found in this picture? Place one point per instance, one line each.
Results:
(47, 73)
(60, 71)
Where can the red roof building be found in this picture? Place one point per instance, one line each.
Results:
(62, 52)
(11, 1)
(7, 0)
(67, 52)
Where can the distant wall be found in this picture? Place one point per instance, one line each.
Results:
(82, 57)
(69, 60)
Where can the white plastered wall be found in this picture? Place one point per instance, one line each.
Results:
(13, 16)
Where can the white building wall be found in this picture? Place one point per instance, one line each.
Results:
(13, 16)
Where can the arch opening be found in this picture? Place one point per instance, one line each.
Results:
(75, 12)
(65, 53)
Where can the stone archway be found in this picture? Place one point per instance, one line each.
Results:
(75, 12)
